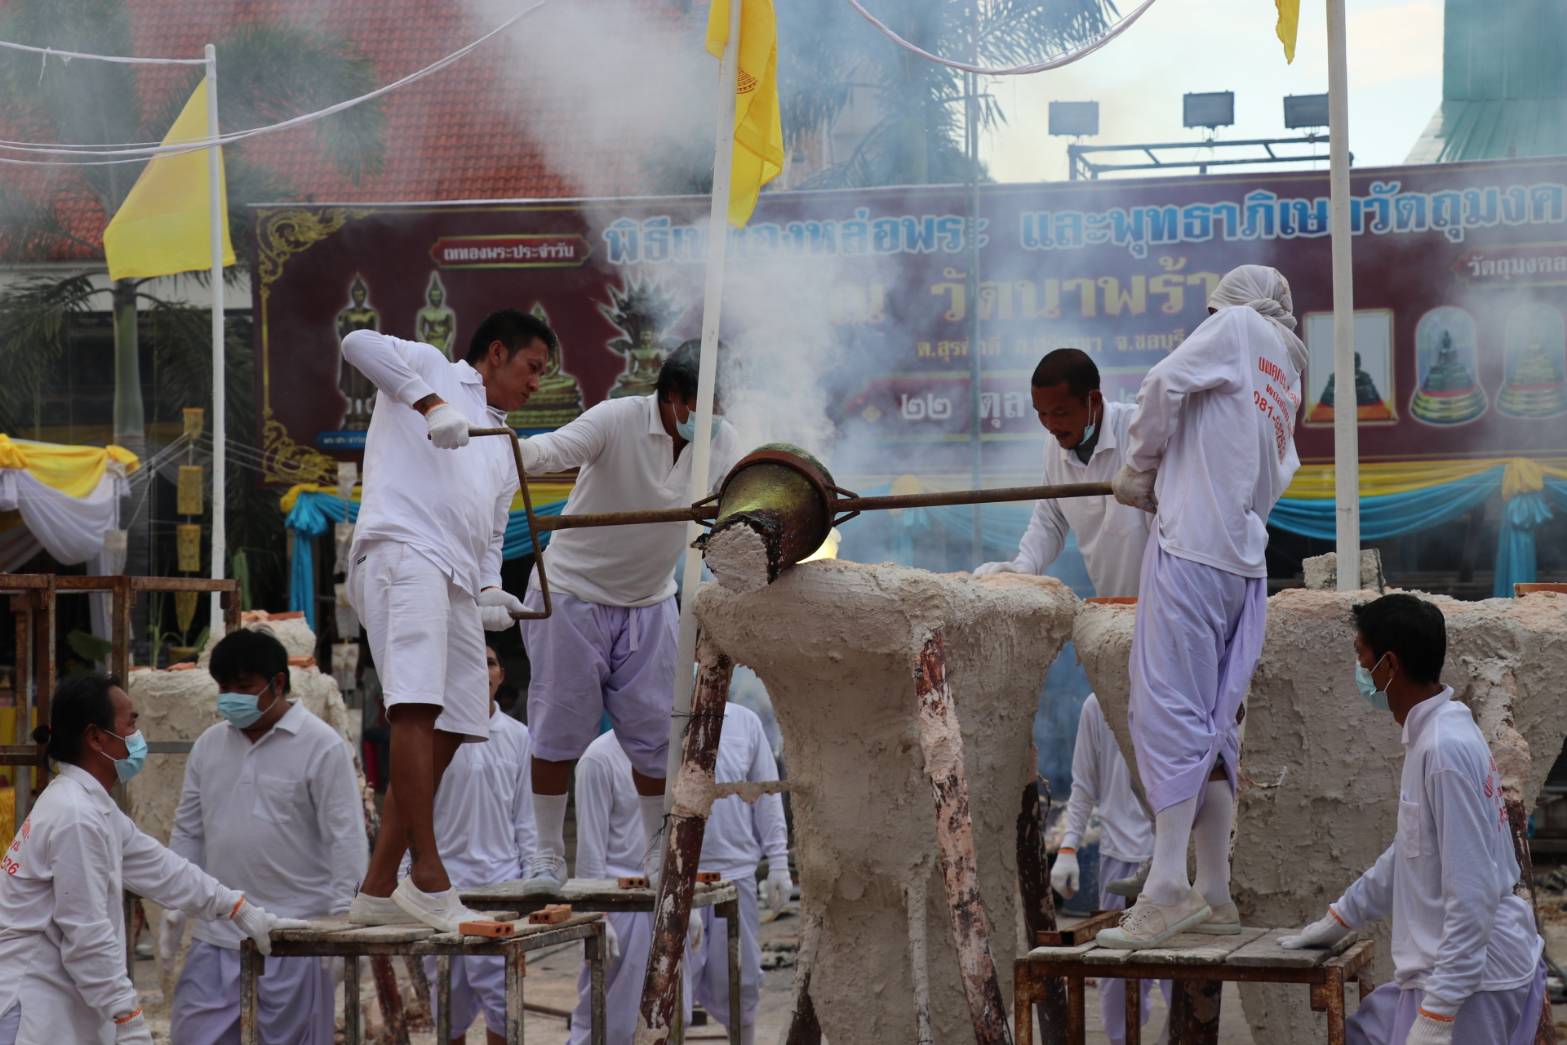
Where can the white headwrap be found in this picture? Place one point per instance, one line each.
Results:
(1266, 291)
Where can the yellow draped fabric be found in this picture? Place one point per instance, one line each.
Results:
(1314, 482)
(543, 493)
(73, 470)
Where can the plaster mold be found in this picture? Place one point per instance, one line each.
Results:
(837, 644)
(1320, 768)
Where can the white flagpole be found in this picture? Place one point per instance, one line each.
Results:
(219, 419)
(1346, 430)
(701, 449)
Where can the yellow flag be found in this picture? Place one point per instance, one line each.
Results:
(759, 149)
(1288, 26)
(163, 226)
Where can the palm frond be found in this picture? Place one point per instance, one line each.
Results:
(34, 314)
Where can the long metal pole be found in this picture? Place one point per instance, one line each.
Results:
(1346, 433)
(215, 277)
(701, 449)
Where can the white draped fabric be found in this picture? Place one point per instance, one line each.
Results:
(70, 529)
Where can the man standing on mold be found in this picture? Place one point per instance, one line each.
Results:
(1209, 452)
(1089, 447)
(610, 645)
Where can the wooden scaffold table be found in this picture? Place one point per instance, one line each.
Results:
(339, 938)
(1199, 965)
(603, 895)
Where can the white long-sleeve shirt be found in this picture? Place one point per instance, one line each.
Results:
(1216, 417)
(1100, 778)
(1447, 880)
(451, 505)
(280, 819)
(62, 921)
(738, 834)
(1110, 535)
(610, 842)
(484, 810)
(627, 462)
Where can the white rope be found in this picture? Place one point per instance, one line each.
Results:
(55, 52)
(1014, 70)
(136, 154)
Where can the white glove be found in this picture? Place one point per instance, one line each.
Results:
(1324, 932)
(448, 428)
(694, 934)
(170, 930)
(257, 924)
(496, 606)
(134, 1031)
(1428, 1030)
(778, 885)
(611, 941)
(1065, 875)
(995, 567)
(1134, 489)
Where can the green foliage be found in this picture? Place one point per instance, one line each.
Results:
(840, 67)
(33, 317)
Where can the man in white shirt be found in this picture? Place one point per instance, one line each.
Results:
(424, 576)
(610, 845)
(1210, 452)
(738, 835)
(1466, 954)
(610, 645)
(484, 825)
(1089, 447)
(270, 805)
(1100, 778)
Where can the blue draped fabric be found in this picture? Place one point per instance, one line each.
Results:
(1515, 557)
(1391, 515)
(314, 513)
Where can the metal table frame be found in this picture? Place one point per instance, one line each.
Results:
(337, 939)
(1326, 978)
(602, 896)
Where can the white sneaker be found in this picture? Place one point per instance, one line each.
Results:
(545, 876)
(376, 910)
(442, 911)
(1149, 924)
(1224, 921)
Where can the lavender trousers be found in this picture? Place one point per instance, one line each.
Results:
(1487, 1018)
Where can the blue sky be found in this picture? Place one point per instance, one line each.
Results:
(1395, 79)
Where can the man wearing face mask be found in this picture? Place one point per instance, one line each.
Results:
(270, 804)
(610, 644)
(1466, 956)
(1089, 447)
(62, 882)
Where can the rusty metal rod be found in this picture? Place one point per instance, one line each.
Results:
(936, 499)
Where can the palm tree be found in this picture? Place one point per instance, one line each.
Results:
(916, 131)
(267, 72)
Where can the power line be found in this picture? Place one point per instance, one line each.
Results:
(137, 153)
(1013, 70)
(56, 52)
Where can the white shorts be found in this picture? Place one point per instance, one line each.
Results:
(425, 635)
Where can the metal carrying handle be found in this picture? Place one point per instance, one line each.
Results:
(533, 522)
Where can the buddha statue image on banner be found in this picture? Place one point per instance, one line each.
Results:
(356, 387)
(1373, 339)
(559, 398)
(1535, 362)
(640, 309)
(1447, 388)
(436, 323)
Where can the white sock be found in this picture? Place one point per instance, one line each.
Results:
(549, 816)
(652, 807)
(1172, 833)
(1211, 833)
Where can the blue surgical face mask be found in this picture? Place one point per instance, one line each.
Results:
(1377, 698)
(1088, 431)
(135, 756)
(243, 709)
(687, 428)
